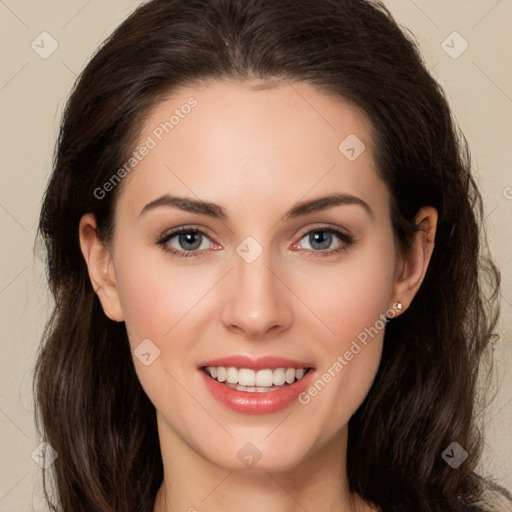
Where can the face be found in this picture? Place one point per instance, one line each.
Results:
(253, 281)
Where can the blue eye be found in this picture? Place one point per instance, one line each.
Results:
(322, 238)
(190, 241)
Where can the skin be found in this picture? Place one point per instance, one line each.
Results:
(255, 153)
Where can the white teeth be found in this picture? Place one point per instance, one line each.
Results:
(221, 373)
(246, 377)
(279, 377)
(265, 378)
(252, 389)
(255, 380)
(290, 375)
(232, 375)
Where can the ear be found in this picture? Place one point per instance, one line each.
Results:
(100, 266)
(412, 266)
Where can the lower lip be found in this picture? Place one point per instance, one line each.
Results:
(257, 403)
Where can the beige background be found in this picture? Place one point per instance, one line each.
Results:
(32, 93)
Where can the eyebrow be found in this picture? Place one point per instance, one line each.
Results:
(297, 210)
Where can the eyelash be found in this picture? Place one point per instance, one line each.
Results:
(164, 240)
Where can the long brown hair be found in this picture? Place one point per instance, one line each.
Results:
(91, 407)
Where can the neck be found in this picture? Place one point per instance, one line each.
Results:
(194, 484)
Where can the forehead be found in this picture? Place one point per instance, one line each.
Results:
(232, 143)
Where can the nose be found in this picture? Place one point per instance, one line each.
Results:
(257, 303)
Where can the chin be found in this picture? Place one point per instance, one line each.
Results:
(264, 453)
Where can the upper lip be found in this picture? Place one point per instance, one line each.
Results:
(259, 363)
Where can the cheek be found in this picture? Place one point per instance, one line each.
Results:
(158, 296)
(161, 303)
(352, 294)
(353, 306)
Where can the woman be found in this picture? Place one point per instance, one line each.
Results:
(222, 374)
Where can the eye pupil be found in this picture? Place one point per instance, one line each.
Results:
(323, 238)
(189, 239)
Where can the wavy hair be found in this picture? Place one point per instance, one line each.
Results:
(90, 405)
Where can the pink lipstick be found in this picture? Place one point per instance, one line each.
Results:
(256, 385)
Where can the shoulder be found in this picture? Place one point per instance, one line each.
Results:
(494, 499)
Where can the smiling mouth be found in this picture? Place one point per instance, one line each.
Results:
(255, 381)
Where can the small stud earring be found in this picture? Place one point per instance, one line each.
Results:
(399, 306)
